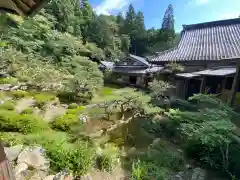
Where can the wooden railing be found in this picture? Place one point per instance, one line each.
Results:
(6, 171)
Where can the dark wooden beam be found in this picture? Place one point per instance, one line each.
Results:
(186, 83)
(223, 85)
(234, 86)
(203, 84)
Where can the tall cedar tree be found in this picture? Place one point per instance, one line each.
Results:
(168, 19)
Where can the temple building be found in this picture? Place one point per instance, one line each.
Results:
(135, 70)
(210, 53)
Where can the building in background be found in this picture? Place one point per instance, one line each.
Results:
(135, 70)
(209, 52)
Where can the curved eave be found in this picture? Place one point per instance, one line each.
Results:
(22, 7)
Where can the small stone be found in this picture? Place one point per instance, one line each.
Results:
(198, 174)
(22, 175)
(188, 166)
(20, 168)
(50, 177)
(156, 142)
(131, 151)
(179, 150)
(13, 152)
(86, 177)
(34, 157)
(63, 175)
(83, 118)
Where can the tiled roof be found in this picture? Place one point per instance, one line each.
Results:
(220, 71)
(187, 75)
(22, 7)
(152, 69)
(141, 59)
(206, 41)
(107, 64)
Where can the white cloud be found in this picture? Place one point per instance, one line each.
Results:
(107, 6)
(201, 2)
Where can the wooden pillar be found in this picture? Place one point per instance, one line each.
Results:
(203, 84)
(224, 81)
(185, 88)
(234, 86)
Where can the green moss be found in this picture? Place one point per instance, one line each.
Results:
(75, 111)
(8, 80)
(20, 94)
(29, 110)
(25, 123)
(65, 122)
(8, 105)
(72, 106)
(106, 91)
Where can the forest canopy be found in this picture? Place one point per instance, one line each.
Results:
(71, 23)
(68, 39)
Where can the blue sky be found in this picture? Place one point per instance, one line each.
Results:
(185, 11)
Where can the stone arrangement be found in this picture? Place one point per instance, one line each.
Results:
(31, 163)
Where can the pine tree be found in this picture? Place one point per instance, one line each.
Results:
(130, 21)
(86, 10)
(140, 24)
(168, 19)
(120, 19)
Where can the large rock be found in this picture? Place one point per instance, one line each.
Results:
(13, 152)
(23, 175)
(198, 174)
(63, 175)
(189, 174)
(35, 157)
(20, 168)
(15, 88)
(50, 177)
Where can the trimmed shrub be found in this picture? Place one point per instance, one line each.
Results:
(12, 139)
(65, 122)
(24, 123)
(19, 94)
(8, 105)
(29, 110)
(77, 158)
(72, 106)
(43, 98)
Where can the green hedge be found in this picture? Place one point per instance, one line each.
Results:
(65, 122)
(10, 121)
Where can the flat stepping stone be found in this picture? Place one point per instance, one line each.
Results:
(24, 103)
(53, 112)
